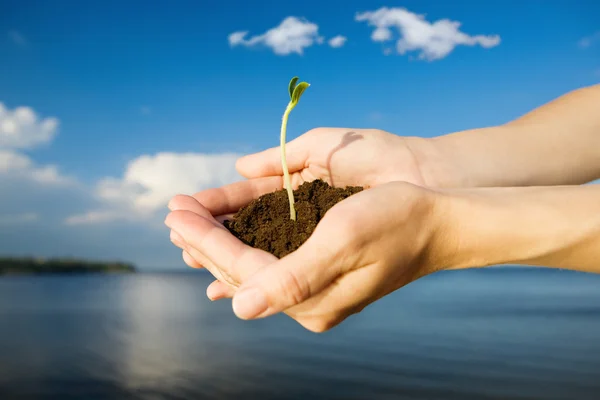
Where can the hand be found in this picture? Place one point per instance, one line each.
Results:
(365, 247)
(339, 156)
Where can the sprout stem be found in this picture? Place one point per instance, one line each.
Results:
(286, 173)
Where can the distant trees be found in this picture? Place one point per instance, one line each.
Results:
(33, 265)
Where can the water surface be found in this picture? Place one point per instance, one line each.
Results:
(479, 334)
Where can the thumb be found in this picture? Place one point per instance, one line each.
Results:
(268, 162)
(285, 283)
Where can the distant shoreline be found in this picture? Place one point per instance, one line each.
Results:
(45, 266)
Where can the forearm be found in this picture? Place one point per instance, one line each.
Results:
(546, 226)
(555, 144)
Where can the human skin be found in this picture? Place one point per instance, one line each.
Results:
(533, 150)
(381, 239)
(555, 144)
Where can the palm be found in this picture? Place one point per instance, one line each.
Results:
(373, 211)
(233, 262)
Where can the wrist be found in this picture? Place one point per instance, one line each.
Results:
(475, 231)
(436, 166)
(543, 226)
(464, 159)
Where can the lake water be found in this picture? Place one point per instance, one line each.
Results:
(479, 334)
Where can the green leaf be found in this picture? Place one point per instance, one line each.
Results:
(292, 86)
(298, 90)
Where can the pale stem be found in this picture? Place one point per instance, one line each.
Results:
(286, 173)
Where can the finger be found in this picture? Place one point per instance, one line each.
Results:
(268, 162)
(235, 260)
(201, 259)
(176, 239)
(287, 282)
(189, 203)
(219, 290)
(193, 258)
(230, 198)
(189, 260)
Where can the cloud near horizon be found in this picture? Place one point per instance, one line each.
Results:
(18, 165)
(21, 129)
(45, 212)
(149, 182)
(431, 40)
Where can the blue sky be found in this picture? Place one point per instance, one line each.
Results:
(127, 81)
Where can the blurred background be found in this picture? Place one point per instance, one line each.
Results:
(108, 109)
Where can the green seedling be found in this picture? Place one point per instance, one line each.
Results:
(295, 91)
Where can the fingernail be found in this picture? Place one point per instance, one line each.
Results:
(176, 237)
(249, 303)
(214, 298)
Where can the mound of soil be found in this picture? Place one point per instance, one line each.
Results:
(265, 223)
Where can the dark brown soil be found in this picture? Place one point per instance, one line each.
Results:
(265, 223)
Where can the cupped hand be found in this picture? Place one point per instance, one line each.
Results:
(340, 156)
(365, 247)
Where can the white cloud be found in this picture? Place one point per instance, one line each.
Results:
(237, 38)
(432, 40)
(588, 41)
(337, 41)
(150, 181)
(36, 201)
(13, 219)
(293, 35)
(21, 128)
(17, 38)
(14, 164)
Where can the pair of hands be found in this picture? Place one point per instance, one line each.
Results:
(365, 247)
